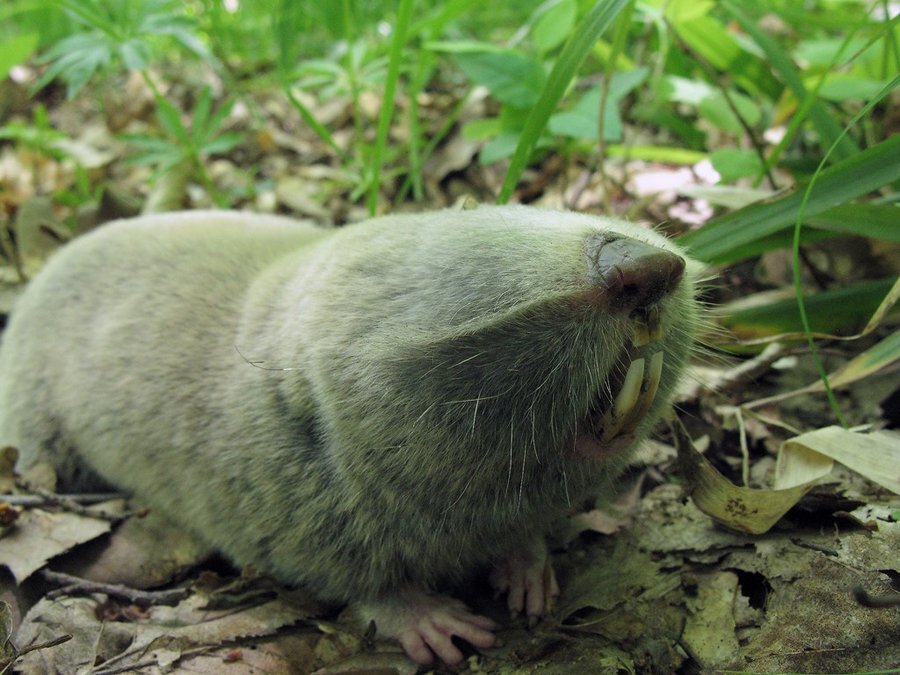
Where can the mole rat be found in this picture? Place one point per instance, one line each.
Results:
(375, 411)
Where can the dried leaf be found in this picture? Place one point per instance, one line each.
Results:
(709, 632)
(41, 535)
(739, 508)
(875, 455)
(165, 636)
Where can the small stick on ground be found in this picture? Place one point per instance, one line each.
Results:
(71, 585)
(75, 503)
(7, 662)
(54, 499)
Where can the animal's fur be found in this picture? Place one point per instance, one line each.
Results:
(366, 409)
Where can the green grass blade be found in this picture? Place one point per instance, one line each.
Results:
(722, 240)
(806, 104)
(878, 357)
(798, 282)
(570, 59)
(716, 45)
(657, 153)
(404, 16)
(828, 128)
(320, 130)
(843, 311)
(875, 221)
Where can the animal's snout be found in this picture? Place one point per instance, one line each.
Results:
(631, 274)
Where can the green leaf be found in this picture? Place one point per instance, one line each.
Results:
(13, 7)
(863, 220)
(729, 196)
(146, 142)
(828, 128)
(218, 119)
(782, 239)
(822, 52)
(201, 115)
(222, 143)
(500, 147)
(509, 125)
(874, 221)
(656, 153)
(716, 109)
(511, 76)
(90, 13)
(555, 25)
(843, 312)
(170, 118)
(722, 240)
(570, 59)
(840, 88)
(683, 90)
(732, 163)
(603, 52)
(16, 50)
(116, 30)
(581, 121)
(482, 129)
(135, 54)
(161, 155)
(462, 47)
(39, 135)
(878, 357)
(76, 58)
(706, 36)
(679, 11)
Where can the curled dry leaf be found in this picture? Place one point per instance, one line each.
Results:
(41, 535)
(803, 462)
(875, 455)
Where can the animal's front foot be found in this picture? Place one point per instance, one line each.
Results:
(528, 580)
(425, 625)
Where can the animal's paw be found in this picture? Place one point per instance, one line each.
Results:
(528, 580)
(425, 624)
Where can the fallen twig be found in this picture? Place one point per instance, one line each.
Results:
(53, 499)
(71, 585)
(73, 503)
(32, 648)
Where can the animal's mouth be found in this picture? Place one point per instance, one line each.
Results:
(629, 393)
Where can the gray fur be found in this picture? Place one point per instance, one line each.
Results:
(411, 413)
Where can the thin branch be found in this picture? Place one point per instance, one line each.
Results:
(71, 585)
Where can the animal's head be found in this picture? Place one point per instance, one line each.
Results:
(505, 336)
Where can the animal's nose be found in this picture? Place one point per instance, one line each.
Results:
(631, 274)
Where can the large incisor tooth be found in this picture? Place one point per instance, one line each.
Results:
(631, 389)
(648, 393)
(654, 375)
(623, 406)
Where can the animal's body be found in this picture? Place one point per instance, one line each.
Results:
(372, 411)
